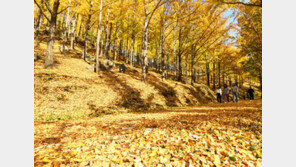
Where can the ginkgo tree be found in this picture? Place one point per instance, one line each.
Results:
(186, 39)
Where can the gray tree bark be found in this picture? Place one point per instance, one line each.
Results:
(99, 38)
(86, 31)
(107, 42)
(49, 53)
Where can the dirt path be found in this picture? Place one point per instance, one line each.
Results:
(213, 134)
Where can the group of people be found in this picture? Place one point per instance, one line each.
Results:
(234, 90)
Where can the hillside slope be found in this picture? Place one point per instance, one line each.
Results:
(71, 90)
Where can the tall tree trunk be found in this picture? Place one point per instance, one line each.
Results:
(99, 38)
(115, 44)
(132, 51)
(214, 75)
(126, 51)
(159, 58)
(198, 73)
(145, 45)
(120, 49)
(86, 31)
(208, 73)
(79, 32)
(219, 73)
(260, 80)
(175, 57)
(180, 55)
(167, 66)
(38, 23)
(223, 76)
(103, 43)
(192, 68)
(162, 44)
(49, 53)
(186, 69)
(68, 23)
(156, 57)
(74, 23)
(133, 37)
(107, 42)
(64, 33)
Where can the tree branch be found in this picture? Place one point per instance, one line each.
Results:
(152, 12)
(63, 10)
(48, 7)
(42, 11)
(243, 3)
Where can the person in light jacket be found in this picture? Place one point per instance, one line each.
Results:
(234, 91)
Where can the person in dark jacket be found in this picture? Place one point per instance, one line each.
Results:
(251, 93)
(219, 94)
(226, 93)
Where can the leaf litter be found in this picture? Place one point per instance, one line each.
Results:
(165, 138)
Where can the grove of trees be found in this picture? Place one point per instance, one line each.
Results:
(210, 41)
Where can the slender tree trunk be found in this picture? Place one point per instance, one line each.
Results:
(145, 45)
(86, 31)
(180, 55)
(219, 73)
(107, 42)
(115, 44)
(214, 75)
(49, 53)
(223, 76)
(120, 49)
(198, 73)
(103, 43)
(208, 73)
(162, 45)
(126, 51)
(186, 69)
(72, 32)
(38, 24)
(99, 38)
(192, 64)
(133, 38)
(167, 66)
(175, 57)
(159, 58)
(68, 23)
(64, 33)
(260, 80)
(79, 32)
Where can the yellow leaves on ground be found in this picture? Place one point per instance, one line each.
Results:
(150, 139)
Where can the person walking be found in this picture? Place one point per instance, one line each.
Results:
(219, 94)
(234, 91)
(251, 93)
(226, 93)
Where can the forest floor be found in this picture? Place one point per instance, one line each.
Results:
(71, 90)
(227, 134)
